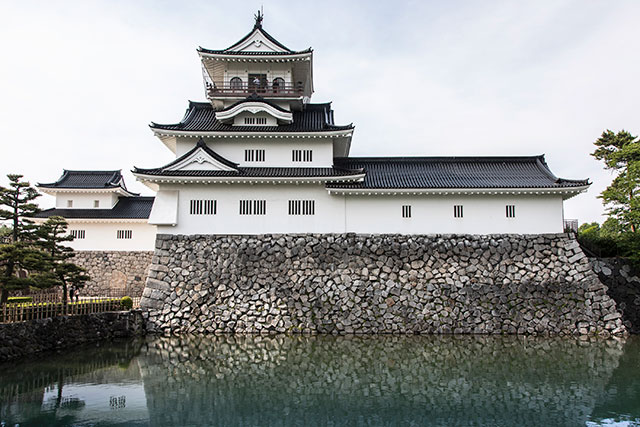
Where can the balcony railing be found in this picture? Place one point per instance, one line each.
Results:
(264, 89)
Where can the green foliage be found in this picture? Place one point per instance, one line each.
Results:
(620, 153)
(607, 241)
(52, 236)
(127, 302)
(36, 255)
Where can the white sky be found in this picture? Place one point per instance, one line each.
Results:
(81, 80)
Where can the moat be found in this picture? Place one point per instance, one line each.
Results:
(327, 380)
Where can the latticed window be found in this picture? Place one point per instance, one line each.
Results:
(124, 234)
(511, 211)
(457, 211)
(302, 207)
(406, 211)
(78, 234)
(203, 207)
(302, 155)
(254, 155)
(253, 207)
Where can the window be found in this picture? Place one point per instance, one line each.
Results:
(255, 120)
(77, 234)
(69, 203)
(254, 155)
(302, 155)
(278, 84)
(236, 83)
(124, 234)
(253, 207)
(406, 211)
(257, 82)
(96, 203)
(457, 211)
(203, 207)
(511, 211)
(302, 207)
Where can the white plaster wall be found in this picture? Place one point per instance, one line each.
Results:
(277, 151)
(85, 200)
(102, 236)
(361, 214)
(328, 218)
(434, 214)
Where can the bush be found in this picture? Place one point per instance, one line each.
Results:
(127, 302)
(18, 300)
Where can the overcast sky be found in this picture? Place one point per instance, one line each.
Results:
(80, 81)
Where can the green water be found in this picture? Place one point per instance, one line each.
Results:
(325, 380)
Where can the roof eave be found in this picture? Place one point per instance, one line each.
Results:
(237, 134)
(566, 192)
(164, 179)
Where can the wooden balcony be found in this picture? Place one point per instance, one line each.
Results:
(263, 89)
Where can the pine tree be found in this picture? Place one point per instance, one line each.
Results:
(21, 254)
(53, 234)
(621, 154)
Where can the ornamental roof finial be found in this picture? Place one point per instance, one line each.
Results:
(259, 17)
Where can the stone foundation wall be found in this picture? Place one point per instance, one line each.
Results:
(114, 271)
(343, 284)
(25, 338)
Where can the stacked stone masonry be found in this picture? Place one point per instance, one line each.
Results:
(114, 272)
(344, 284)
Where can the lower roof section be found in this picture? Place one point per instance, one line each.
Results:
(453, 173)
(126, 208)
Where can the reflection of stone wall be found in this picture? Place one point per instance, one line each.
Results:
(114, 271)
(345, 284)
(25, 338)
(375, 380)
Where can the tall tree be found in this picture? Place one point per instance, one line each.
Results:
(21, 253)
(53, 234)
(620, 153)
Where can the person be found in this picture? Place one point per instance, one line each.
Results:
(256, 82)
(72, 292)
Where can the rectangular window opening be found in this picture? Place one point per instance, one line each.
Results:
(78, 234)
(457, 211)
(301, 155)
(511, 211)
(254, 155)
(69, 203)
(406, 211)
(96, 203)
(302, 207)
(253, 207)
(124, 234)
(203, 207)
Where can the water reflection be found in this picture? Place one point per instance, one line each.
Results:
(326, 380)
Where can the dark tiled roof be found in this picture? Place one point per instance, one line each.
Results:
(453, 172)
(244, 172)
(127, 208)
(231, 52)
(256, 173)
(88, 180)
(201, 117)
(228, 51)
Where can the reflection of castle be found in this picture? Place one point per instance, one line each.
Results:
(320, 380)
(259, 157)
